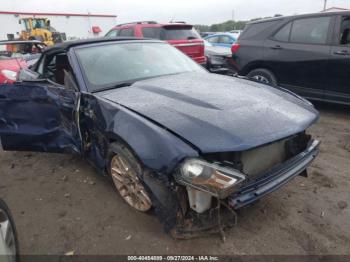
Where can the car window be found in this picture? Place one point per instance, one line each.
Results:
(112, 33)
(151, 32)
(252, 30)
(106, 65)
(179, 33)
(310, 30)
(126, 32)
(225, 39)
(57, 68)
(283, 34)
(214, 39)
(345, 31)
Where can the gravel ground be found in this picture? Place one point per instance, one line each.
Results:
(60, 205)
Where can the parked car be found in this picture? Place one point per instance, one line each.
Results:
(15, 55)
(236, 32)
(9, 250)
(181, 35)
(222, 39)
(307, 54)
(205, 34)
(171, 135)
(219, 59)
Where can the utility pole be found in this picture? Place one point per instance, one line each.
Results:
(325, 5)
(233, 18)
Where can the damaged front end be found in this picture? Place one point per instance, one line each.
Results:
(216, 185)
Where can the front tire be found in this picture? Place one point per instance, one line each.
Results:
(126, 171)
(263, 75)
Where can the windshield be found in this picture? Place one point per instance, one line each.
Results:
(39, 23)
(171, 33)
(105, 66)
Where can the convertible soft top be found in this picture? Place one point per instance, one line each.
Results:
(67, 45)
(15, 42)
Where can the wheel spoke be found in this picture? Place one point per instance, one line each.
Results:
(129, 186)
(143, 197)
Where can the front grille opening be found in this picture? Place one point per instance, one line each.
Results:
(257, 161)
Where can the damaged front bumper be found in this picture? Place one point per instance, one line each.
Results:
(274, 178)
(222, 214)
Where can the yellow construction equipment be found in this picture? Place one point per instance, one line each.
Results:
(40, 29)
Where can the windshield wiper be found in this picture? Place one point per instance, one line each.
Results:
(118, 85)
(124, 84)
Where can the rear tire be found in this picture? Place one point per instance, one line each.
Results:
(263, 75)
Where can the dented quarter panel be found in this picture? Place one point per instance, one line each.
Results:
(38, 117)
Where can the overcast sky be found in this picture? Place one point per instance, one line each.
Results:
(191, 11)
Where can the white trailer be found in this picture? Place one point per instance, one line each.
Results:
(76, 26)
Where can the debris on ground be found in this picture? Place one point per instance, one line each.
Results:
(69, 253)
(128, 237)
(342, 204)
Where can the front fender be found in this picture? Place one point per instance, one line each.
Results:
(157, 148)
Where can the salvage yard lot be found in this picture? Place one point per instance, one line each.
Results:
(60, 204)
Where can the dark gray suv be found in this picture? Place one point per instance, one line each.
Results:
(308, 54)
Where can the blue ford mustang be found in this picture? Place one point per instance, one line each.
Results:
(194, 146)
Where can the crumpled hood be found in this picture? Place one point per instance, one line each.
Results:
(217, 113)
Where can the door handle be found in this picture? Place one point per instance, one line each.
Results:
(276, 47)
(342, 52)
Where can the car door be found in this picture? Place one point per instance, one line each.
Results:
(40, 115)
(298, 54)
(338, 69)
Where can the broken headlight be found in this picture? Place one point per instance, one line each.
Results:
(214, 179)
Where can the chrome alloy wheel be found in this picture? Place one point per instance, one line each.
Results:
(7, 237)
(129, 185)
(261, 78)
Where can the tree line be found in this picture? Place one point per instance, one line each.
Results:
(228, 25)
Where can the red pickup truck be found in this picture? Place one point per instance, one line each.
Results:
(181, 35)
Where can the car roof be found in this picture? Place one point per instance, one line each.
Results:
(277, 18)
(65, 46)
(151, 24)
(219, 34)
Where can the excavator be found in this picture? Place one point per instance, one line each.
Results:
(40, 29)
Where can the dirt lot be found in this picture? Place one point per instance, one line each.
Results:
(60, 204)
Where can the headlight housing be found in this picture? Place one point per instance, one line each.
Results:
(214, 179)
